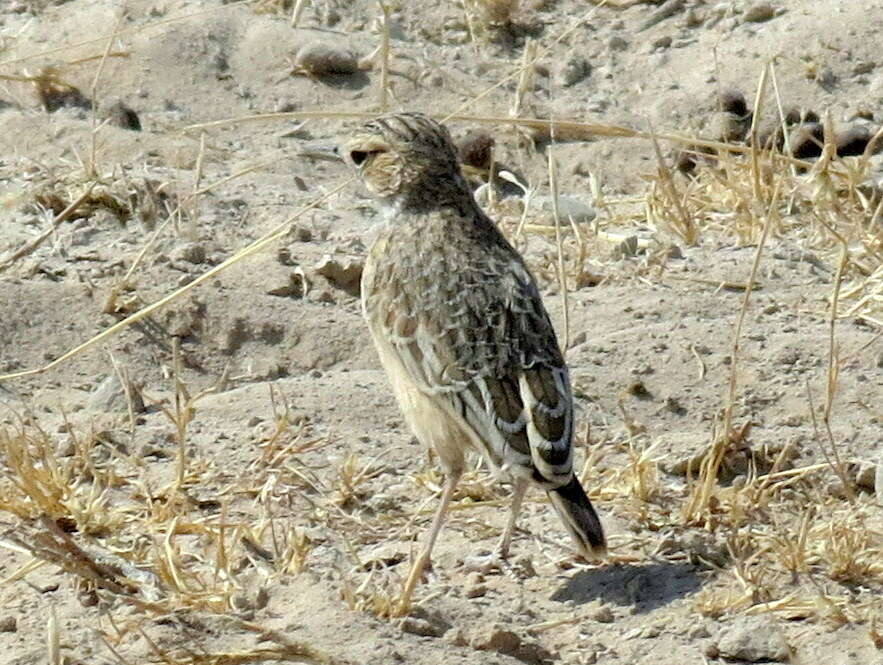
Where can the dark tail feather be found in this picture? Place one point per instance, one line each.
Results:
(580, 519)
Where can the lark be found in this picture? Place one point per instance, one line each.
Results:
(461, 330)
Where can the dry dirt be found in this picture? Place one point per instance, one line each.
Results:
(290, 521)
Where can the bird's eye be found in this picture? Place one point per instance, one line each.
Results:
(359, 156)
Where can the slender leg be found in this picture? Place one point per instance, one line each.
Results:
(495, 562)
(518, 490)
(419, 565)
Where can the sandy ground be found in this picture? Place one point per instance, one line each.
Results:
(284, 533)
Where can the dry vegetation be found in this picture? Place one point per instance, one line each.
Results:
(197, 543)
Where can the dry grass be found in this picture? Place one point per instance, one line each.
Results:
(156, 547)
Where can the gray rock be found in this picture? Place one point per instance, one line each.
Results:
(617, 43)
(753, 640)
(759, 12)
(569, 208)
(108, 396)
(865, 475)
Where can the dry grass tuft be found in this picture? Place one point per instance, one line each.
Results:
(84, 505)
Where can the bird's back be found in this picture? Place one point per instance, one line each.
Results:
(463, 313)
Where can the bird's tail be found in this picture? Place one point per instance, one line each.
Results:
(580, 519)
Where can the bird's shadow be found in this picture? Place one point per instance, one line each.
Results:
(350, 81)
(644, 586)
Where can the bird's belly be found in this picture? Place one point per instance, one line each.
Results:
(426, 415)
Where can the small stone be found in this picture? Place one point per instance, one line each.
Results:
(8, 625)
(570, 209)
(732, 100)
(523, 567)
(698, 632)
(189, 252)
(602, 615)
(455, 637)
(475, 590)
(345, 275)
(853, 141)
(625, 248)
(419, 626)
(705, 549)
(693, 18)
(652, 631)
(662, 42)
(122, 116)
(323, 60)
(496, 638)
(424, 623)
(759, 12)
(575, 69)
(753, 639)
(617, 43)
(108, 396)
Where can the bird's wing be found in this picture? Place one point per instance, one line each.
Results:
(487, 350)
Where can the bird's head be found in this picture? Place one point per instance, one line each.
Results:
(400, 154)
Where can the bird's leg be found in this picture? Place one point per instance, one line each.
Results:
(495, 560)
(404, 604)
(518, 490)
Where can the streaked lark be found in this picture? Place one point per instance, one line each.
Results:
(461, 330)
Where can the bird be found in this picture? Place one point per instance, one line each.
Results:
(461, 330)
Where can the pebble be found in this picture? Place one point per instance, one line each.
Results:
(853, 141)
(8, 625)
(190, 252)
(321, 60)
(617, 43)
(759, 12)
(754, 640)
(345, 274)
(420, 626)
(602, 615)
(121, 115)
(575, 69)
(569, 208)
(732, 100)
(866, 475)
(108, 396)
(496, 638)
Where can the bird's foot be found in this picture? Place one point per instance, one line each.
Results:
(488, 563)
